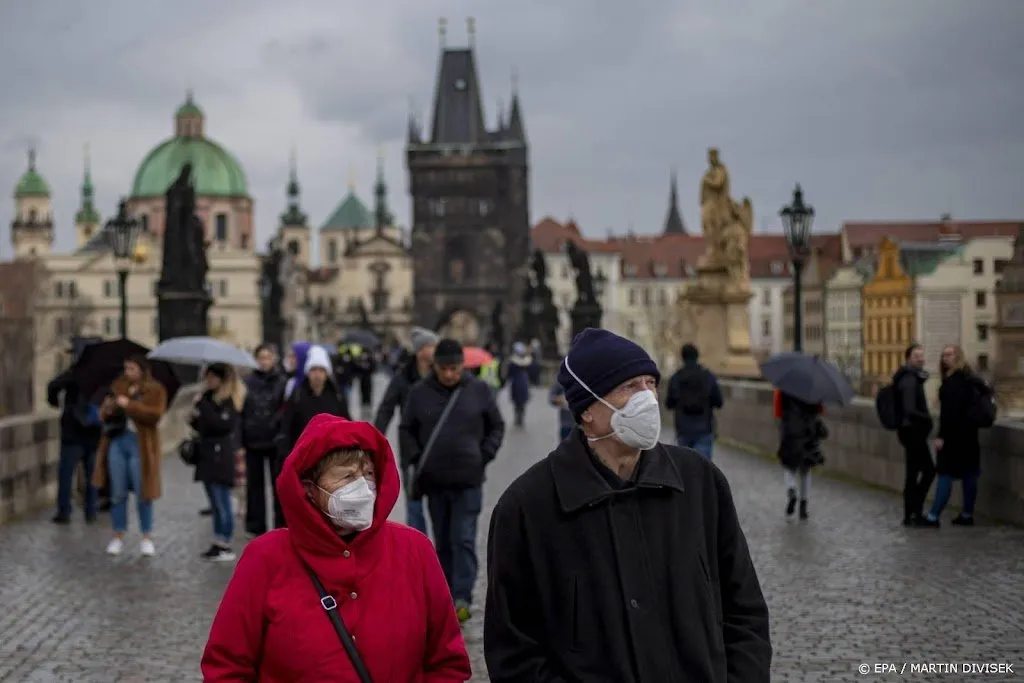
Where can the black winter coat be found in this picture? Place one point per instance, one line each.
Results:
(651, 583)
(800, 434)
(216, 424)
(912, 404)
(261, 414)
(960, 453)
(73, 428)
(396, 394)
(302, 406)
(467, 442)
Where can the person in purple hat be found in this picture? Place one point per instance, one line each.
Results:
(619, 558)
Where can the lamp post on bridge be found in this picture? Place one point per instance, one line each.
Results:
(122, 232)
(797, 219)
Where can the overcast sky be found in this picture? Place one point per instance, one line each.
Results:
(882, 109)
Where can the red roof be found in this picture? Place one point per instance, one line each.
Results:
(870, 234)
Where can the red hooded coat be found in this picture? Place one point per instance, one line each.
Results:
(392, 594)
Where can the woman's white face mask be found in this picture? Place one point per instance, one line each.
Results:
(636, 424)
(351, 506)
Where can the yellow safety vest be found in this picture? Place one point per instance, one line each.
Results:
(489, 373)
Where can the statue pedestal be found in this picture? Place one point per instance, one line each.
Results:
(584, 316)
(717, 321)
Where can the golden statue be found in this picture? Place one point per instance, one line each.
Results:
(726, 224)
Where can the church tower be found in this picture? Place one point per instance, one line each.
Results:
(32, 227)
(674, 219)
(470, 205)
(294, 230)
(87, 218)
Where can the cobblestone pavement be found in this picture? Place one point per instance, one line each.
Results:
(848, 587)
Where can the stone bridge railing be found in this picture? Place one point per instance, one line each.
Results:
(859, 448)
(30, 452)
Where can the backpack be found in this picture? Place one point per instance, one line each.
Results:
(983, 411)
(694, 391)
(886, 407)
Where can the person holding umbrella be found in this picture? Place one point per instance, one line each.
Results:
(129, 452)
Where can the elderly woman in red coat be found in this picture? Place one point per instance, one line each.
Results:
(337, 489)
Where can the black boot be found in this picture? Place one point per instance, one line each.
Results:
(803, 509)
(791, 503)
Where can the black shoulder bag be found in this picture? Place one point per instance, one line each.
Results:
(414, 492)
(330, 606)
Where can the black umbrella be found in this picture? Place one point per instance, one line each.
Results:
(362, 338)
(100, 364)
(808, 378)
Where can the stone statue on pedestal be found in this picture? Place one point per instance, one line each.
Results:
(182, 292)
(727, 226)
(587, 311)
(541, 307)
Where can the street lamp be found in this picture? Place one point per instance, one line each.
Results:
(797, 219)
(122, 232)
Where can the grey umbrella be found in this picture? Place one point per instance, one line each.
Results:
(808, 378)
(202, 351)
(362, 338)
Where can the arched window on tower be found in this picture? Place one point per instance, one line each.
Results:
(458, 257)
(32, 215)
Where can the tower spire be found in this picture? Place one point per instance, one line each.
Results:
(442, 32)
(31, 158)
(87, 214)
(382, 216)
(515, 130)
(471, 31)
(674, 220)
(293, 215)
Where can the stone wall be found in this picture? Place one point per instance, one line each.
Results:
(860, 449)
(30, 451)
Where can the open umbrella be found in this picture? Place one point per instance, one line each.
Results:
(811, 379)
(362, 338)
(202, 351)
(475, 357)
(102, 363)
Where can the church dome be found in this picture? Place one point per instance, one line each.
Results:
(31, 184)
(215, 172)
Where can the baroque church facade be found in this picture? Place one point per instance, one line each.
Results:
(469, 187)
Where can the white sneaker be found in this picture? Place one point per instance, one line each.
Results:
(225, 555)
(147, 548)
(115, 547)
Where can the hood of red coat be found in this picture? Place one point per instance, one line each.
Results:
(312, 532)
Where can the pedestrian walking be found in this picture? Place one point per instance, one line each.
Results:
(958, 452)
(260, 424)
(129, 453)
(341, 594)
(451, 430)
(566, 422)
(295, 365)
(416, 368)
(316, 393)
(694, 395)
(517, 378)
(915, 428)
(216, 418)
(801, 432)
(617, 558)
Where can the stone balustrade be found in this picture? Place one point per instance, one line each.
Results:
(30, 452)
(859, 448)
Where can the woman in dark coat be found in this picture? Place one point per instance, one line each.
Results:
(517, 378)
(800, 434)
(216, 419)
(958, 453)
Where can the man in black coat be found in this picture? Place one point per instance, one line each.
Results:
(619, 559)
(451, 473)
(914, 431)
(416, 368)
(261, 418)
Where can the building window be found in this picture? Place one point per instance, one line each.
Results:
(777, 267)
(766, 296)
(630, 328)
(223, 288)
(766, 327)
(293, 247)
(983, 362)
(980, 298)
(662, 297)
(144, 222)
(332, 251)
(999, 266)
(244, 241)
(108, 288)
(982, 332)
(58, 289)
(979, 267)
(485, 207)
(156, 287)
(58, 327)
(156, 326)
(221, 227)
(108, 326)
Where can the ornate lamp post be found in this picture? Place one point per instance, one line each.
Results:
(122, 231)
(797, 219)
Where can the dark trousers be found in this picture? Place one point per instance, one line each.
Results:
(920, 472)
(71, 454)
(366, 389)
(257, 462)
(520, 413)
(453, 516)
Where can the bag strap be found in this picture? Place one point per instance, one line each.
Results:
(437, 429)
(330, 606)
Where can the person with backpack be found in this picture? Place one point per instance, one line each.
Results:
(906, 409)
(261, 414)
(693, 395)
(965, 402)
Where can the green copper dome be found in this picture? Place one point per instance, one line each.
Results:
(190, 108)
(31, 184)
(350, 214)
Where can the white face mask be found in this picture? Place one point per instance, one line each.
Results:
(351, 506)
(636, 424)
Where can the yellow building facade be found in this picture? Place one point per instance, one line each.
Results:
(888, 310)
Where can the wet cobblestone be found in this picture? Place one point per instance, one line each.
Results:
(848, 587)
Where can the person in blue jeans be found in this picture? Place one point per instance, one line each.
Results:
(694, 395)
(958, 451)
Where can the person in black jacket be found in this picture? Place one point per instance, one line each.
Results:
(958, 452)
(261, 417)
(451, 475)
(79, 436)
(416, 368)
(800, 434)
(694, 395)
(619, 559)
(913, 433)
(216, 418)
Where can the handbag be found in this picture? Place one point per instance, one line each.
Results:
(330, 606)
(188, 451)
(415, 493)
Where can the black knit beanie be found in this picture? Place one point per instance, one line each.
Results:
(602, 360)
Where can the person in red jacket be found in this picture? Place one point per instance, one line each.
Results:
(337, 488)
